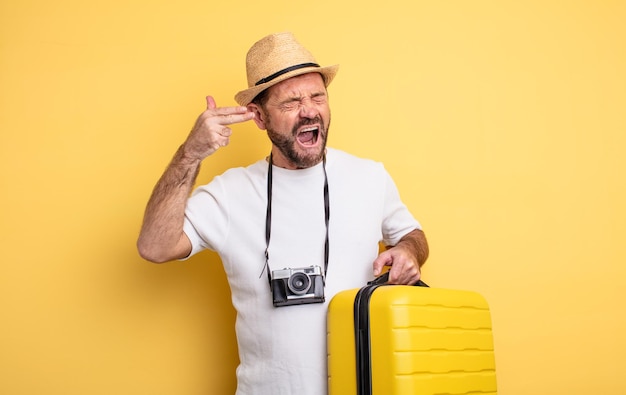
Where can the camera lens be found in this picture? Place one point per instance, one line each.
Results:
(299, 283)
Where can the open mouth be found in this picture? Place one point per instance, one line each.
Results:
(308, 136)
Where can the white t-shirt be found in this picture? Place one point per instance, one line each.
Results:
(282, 350)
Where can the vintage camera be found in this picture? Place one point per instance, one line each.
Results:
(297, 286)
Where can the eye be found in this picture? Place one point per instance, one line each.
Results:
(289, 106)
(319, 99)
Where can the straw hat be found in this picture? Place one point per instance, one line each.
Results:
(276, 58)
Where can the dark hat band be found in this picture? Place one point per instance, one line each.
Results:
(284, 71)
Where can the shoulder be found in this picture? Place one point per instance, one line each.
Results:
(238, 176)
(236, 179)
(257, 169)
(346, 163)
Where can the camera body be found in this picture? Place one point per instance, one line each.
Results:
(297, 286)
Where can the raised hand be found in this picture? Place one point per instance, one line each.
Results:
(162, 238)
(211, 131)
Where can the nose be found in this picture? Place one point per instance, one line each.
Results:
(307, 109)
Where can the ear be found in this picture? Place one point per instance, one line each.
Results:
(259, 116)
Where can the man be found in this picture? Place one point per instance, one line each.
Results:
(304, 206)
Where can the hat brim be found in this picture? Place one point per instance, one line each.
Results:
(246, 96)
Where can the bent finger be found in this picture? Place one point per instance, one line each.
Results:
(403, 274)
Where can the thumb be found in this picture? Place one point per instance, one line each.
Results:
(384, 259)
(210, 103)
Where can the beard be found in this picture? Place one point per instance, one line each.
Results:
(289, 147)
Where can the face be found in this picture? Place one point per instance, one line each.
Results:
(296, 117)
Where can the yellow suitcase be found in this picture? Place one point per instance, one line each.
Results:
(397, 340)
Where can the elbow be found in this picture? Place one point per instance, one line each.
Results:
(160, 250)
(150, 254)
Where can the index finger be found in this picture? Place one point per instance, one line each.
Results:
(236, 117)
(231, 115)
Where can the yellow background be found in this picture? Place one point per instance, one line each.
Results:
(503, 124)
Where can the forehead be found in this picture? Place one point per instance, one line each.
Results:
(298, 86)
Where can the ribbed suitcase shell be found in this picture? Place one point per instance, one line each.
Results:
(422, 341)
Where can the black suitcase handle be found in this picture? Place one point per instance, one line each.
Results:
(362, 332)
(382, 279)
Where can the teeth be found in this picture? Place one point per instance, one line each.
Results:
(312, 129)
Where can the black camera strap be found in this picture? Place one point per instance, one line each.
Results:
(268, 218)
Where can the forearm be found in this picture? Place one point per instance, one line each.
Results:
(161, 238)
(415, 242)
